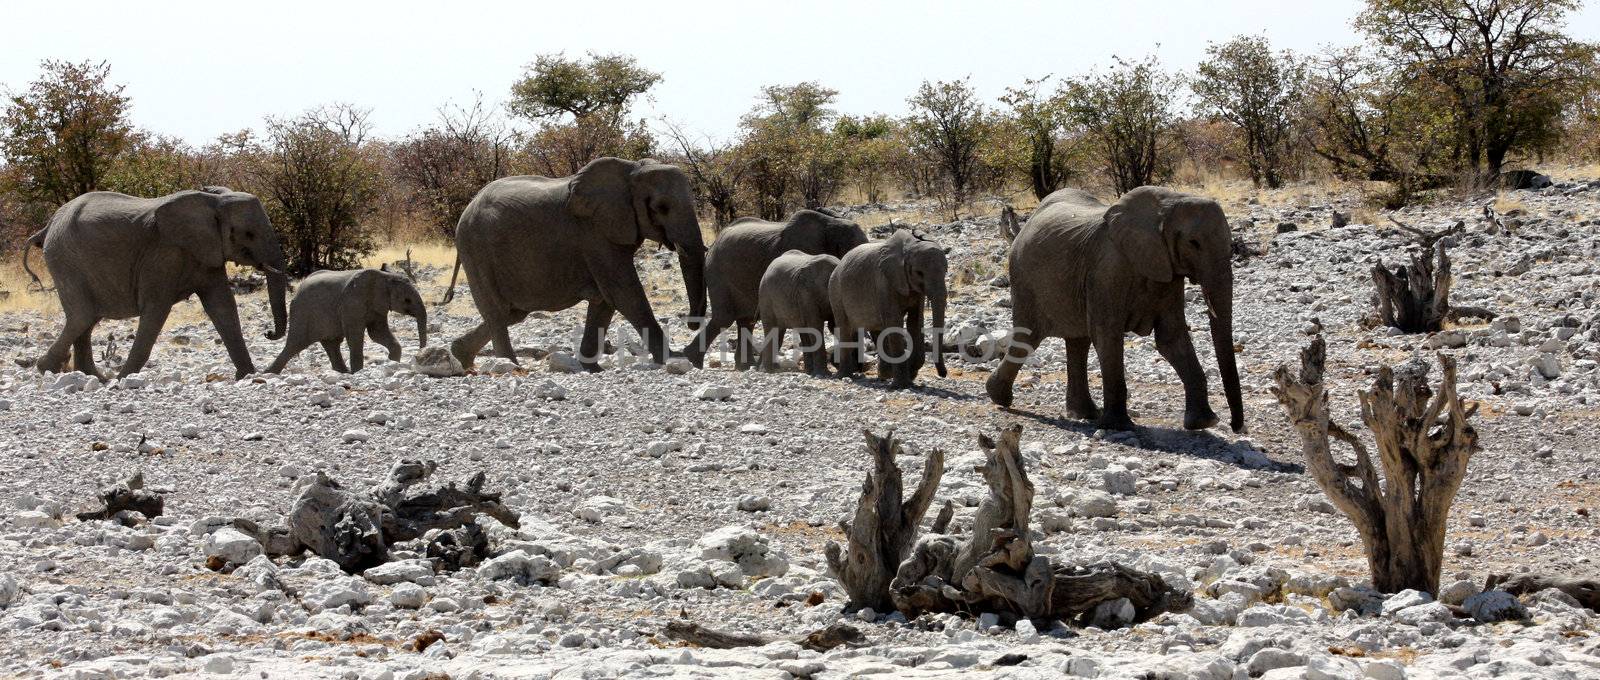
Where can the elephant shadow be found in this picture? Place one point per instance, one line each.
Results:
(1192, 443)
(886, 385)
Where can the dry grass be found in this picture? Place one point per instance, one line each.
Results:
(1504, 203)
(17, 293)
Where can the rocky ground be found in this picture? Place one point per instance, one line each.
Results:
(651, 494)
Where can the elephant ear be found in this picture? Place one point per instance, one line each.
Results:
(894, 261)
(189, 220)
(370, 286)
(601, 196)
(1135, 224)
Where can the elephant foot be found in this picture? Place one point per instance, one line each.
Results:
(1199, 419)
(1083, 410)
(459, 351)
(590, 366)
(1114, 421)
(999, 390)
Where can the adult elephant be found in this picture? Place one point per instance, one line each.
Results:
(1090, 273)
(740, 256)
(545, 244)
(115, 256)
(878, 291)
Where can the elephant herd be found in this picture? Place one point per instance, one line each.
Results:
(1080, 270)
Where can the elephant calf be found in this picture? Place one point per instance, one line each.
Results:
(331, 306)
(879, 290)
(794, 294)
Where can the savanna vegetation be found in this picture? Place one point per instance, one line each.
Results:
(1441, 95)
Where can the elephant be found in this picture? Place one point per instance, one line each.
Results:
(879, 289)
(1090, 273)
(115, 256)
(740, 256)
(534, 243)
(794, 295)
(330, 306)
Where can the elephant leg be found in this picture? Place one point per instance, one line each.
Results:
(83, 354)
(150, 324)
(56, 356)
(1079, 402)
(622, 289)
(217, 300)
(697, 348)
(466, 347)
(1113, 379)
(380, 333)
(847, 350)
(1175, 345)
(745, 350)
(595, 322)
(355, 338)
(1000, 382)
(292, 347)
(335, 356)
(502, 337)
(886, 348)
(771, 343)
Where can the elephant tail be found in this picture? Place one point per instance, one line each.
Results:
(37, 239)
(450, 293)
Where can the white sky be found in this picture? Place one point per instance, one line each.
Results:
(199, 69)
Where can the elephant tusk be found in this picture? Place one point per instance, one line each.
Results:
(1209, 309)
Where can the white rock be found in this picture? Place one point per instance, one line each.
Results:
(232, 546)
(595, 509)
(353, 436)
(1114, 614)
(710, 392)
(550, 391)
(9, 590)
(1458, 592)
(744, 547)
(1491, 606)
(437, 361)
(496, 365)
(562, 362)
(33, 519)
(755, 503)
(521, 567)
(83, 417)
(1404, 599)
(401, 571)
(335, 592)
(408, 596)
(1094, 504)
(678, 366)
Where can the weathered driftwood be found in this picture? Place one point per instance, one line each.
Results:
(1424, 443)
(997, 571)
(820, 640)
(128, 494)
(1010, 224)
(1416, 298)
(885, 528)
(458, 548)
(355, 529)
(1585, 590)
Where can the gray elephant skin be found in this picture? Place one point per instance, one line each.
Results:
(115, 256)
(879, 290)
(545, 244)
(794, 295)
(330, 306)
(740, 256)
(1090, 273)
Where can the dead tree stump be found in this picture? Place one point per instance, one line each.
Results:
(1424, 443)
(996, 570)
(355, 529)
(126, 495)
(1585, 590)
(884, 528)
(1416, 298)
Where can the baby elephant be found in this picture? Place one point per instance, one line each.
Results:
(330, 306)
(794, 294)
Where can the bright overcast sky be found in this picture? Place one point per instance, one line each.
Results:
(199, 69)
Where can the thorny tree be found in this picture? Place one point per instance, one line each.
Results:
(1128, 112)
(1243, 82)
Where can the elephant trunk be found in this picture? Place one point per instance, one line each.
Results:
(422, 328)
(692, 260)
(1219, 297)
(936, 299)
(277, 295)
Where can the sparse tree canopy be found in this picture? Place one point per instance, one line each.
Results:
(319, 179)
(1243, 82)
(1041, 119)
(444, 165)
(947, 127)
(605, 86)
(1505, 66)
(1128, 112)
(62, 134)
